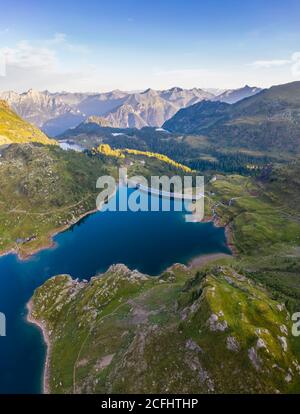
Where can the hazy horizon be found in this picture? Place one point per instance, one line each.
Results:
(53, 91)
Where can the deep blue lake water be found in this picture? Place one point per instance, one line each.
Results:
(147, 241)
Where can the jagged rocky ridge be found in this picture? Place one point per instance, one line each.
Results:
(56, 112)
(268, 121)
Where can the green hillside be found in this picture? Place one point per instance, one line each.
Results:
(268, 121)
(44, 189)
(222, 328)
(212, 331)
(262, 219)
(194, 151)
(14, 129)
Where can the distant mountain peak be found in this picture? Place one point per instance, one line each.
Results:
(56, 112)
(176, 89)
(33, 92)
(267, 120)
(15, 130)
(234, 95)
(150, 91)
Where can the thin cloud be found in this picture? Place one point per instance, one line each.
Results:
(25, 55)
(270, 63)
(39, 64)
(60, 40)
(42, 54)
(293, 63)
(296, 64)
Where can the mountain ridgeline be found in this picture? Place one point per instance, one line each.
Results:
(267, 121)
(224, 327)
(45, 189)
(14, 129)
(56, 112)
(234, 95)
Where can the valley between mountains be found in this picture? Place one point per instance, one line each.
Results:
(221, 326)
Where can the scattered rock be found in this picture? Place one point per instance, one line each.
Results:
(238, 276)
(204, 378)
(261, 344)
(288, 378)
(215, 325)
(296, 365)
(280, 306)
(184, 314)
(232, 344)
(284, 330)
(260, 331)
(254, 358)
(283, 342)
(104, 362)
(192, 346)
(229, 280)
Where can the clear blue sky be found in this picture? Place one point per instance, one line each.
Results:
(130, 44)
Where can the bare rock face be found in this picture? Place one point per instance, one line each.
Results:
(192, 346)
(215, 324)
(232, 344)
(284, 329)
(254, 358)
(122, 271)
(54, 113)
(234, 95)
(283, 342)
(261, 344)
(36, 107)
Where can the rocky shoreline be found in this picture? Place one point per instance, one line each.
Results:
(51, 235)
(42, 327)
(197, 261)
(204, 259)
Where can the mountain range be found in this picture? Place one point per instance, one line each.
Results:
(56, 112)
(234, 95)
(267, 121)
(14, 129)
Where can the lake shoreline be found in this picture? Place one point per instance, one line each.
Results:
(228, 232)
(30, 319)
(202, 260)
(25, 256)
(197, 262)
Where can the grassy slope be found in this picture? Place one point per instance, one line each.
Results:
(260, 223)
(268, 121)
(196, 151)
(44, 189)
(14, 129)
(149, 335)
(127, 333)
(264, 218)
